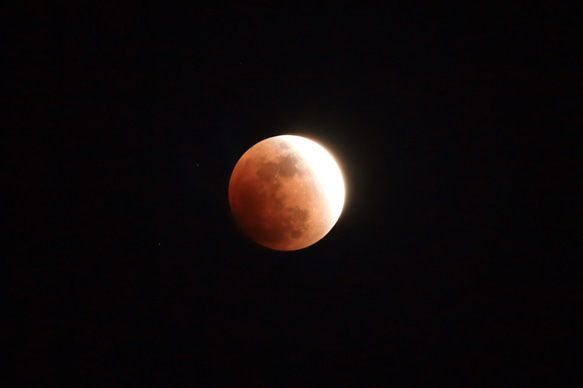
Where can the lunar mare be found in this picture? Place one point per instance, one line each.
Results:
(286, 192)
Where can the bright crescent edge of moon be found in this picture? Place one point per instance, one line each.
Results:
(324, 167)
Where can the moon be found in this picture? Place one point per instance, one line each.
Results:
(286, 192)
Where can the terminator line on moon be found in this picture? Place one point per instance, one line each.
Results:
(286, 192)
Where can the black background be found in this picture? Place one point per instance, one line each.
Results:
(455, 258)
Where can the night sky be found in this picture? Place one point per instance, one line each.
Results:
(455, 258)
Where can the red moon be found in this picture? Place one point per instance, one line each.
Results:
(286, 192)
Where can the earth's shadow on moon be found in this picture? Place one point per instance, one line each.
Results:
(276, 199)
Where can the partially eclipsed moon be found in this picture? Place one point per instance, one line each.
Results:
(286, 192)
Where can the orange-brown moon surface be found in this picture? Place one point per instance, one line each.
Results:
(279, 195)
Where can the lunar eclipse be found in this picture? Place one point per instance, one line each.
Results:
(286, 192)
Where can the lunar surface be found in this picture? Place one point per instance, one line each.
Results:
(286, 192)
